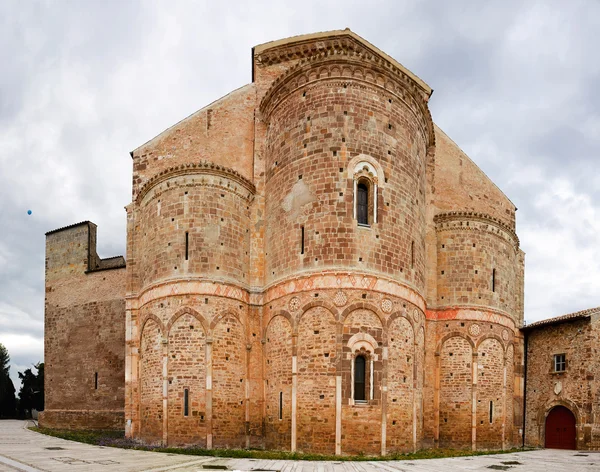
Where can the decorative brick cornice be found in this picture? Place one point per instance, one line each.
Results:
(197, 168)
(351, 67)
(333, 42)
(455, 220)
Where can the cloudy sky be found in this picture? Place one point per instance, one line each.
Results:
(83, 82)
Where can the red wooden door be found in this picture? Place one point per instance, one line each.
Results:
(560, 429)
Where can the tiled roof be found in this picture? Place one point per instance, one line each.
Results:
(67, 227)
(578, 315)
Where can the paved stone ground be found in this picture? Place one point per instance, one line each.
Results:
(27, 451)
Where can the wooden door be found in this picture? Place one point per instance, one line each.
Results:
(560, 429)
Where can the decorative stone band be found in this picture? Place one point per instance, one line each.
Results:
(470, 221)
(342, 281)
(471, 314)
(309, 282)
(350, 68)
(171, 288)
(199, 173)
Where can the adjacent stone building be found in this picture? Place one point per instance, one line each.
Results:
(312, 265)
(563, 381)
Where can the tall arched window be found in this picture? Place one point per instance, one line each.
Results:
(362, 204)
(359, 378)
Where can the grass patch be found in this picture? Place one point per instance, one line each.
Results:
(117, 439)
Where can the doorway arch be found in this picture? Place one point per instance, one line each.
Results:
(560, 429)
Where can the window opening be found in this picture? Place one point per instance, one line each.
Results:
(96, 380)
(362, 204)
(359, 378)
(491, 411)
(493, 280)
(280, 405)
(187, 245)
(186, 402)
(302, 240)
(560, 362)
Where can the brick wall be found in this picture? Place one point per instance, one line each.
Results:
(455, 396)
(186, 367)
(278, 380)
(577, 388)
(316, 381)
(310, 141)
(84, 381)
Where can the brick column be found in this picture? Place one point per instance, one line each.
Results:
(475, 371)
(165, 392)
(384, 389)
(209, 410)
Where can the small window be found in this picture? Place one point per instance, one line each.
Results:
(362, 204)
(96, 380)
(493, 280)
(187, 245)
(280, 405)
(560, 362)
(359, 379)
(186, 402)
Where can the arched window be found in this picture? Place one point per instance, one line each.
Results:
(365, 178)
(359, 378)
(362, 204)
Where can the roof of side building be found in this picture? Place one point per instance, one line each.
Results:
(578, 315)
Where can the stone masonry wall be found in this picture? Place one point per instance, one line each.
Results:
(313, 134)
(84, 381)
(577, 388)
(212, 219)
(477, 265)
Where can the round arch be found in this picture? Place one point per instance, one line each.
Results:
(560, 426)
(144, 321)
(283, 314)
(450, 335)
(393, 317)
(222, 315)
(186, 311)
(318, 303)
(491, 336)
(362, 306)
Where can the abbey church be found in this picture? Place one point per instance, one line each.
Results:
(312, 265)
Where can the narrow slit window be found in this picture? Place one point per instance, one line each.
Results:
(362, 204)
(412, 255)
(491, 411)
(359, 378)
(302, 240)
(187, 245)
(493, 280)
(96, 380)
(186, 402)
(280, 405)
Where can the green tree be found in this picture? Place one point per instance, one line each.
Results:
(8, 402)
(31, 394)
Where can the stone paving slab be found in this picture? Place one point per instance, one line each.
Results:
(23, 450)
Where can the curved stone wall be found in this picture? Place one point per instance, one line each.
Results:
(193, 223)
(477, 260)
(337, 113)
